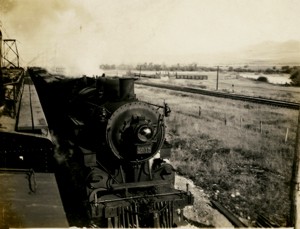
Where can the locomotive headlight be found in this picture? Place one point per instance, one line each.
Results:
(144, 133)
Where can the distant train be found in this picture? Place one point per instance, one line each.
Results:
(120, 144)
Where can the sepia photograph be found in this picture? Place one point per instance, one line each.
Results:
(149, 114)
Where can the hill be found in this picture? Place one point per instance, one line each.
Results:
(270, 52)
(267, 53)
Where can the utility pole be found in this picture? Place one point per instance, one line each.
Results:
(217, 78)
(140, 71)
(295, 183)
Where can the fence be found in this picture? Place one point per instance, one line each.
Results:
(260, 126)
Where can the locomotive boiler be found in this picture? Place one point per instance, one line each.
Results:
(120, 139)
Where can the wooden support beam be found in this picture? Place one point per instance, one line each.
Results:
(295, 184)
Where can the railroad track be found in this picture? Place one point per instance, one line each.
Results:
(271, 102)
(261, 221)
(231, 217)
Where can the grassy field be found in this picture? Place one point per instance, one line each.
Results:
(238, 152)
(233, 82)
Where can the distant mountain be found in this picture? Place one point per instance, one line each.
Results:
(270, 52)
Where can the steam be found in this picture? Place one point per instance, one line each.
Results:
(81, 35)
(54, 34)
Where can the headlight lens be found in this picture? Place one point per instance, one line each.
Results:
(144, 133)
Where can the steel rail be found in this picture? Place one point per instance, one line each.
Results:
(263, 221)
(232, 218)
(271, 102)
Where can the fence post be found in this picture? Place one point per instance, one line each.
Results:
(286, 135)
(199, 111)
(260, 127)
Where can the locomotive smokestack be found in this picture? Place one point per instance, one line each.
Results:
(126, 88)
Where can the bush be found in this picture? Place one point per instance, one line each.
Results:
(263, 79)
(295, 77)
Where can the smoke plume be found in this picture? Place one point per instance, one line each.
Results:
(53, 34)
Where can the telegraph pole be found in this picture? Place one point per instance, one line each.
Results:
(295, 183)
(140, 71)
(217, 78)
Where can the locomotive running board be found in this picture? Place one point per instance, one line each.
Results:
(141, 184)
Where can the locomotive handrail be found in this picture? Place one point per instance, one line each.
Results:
(155, 105)
(166, 108)
(99, 201)
(159, 125)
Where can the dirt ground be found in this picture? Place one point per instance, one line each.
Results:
(201, 214)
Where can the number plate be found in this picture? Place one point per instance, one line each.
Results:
(145, 149)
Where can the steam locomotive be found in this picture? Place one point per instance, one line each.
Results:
(120, 144)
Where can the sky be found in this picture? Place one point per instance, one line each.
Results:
(87, 33)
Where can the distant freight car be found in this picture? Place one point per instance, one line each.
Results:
(191, 77)
(152, 76)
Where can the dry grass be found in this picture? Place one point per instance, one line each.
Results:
(236, 151)
(242, 85)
